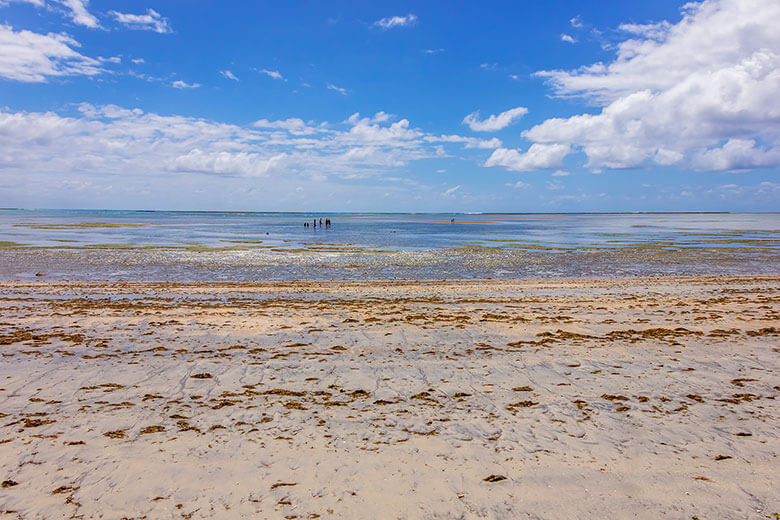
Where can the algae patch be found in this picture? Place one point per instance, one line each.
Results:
(80, 225)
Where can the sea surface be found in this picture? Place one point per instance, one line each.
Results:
(193, 246)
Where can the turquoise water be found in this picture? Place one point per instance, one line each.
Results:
(86, 244)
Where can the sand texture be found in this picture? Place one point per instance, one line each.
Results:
(611, 398)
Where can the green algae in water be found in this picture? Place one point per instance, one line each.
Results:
(219, 249)
(477, 247)
(81, 225)
(327, 244)
(5, 243)
(311, 250)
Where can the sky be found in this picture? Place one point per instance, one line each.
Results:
(517, 106)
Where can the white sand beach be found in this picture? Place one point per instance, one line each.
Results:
(575, 398)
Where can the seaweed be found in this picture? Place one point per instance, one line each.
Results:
(152, 429)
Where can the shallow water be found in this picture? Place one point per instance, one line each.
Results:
(140, 245)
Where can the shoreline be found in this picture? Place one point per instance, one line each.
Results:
(525, 398)
(589, 281)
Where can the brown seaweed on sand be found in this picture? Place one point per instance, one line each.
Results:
(152, 429)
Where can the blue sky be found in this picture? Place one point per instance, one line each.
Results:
(370, 106)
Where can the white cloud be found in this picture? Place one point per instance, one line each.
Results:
(737, 154)
(77, 9)
(494, 123)
(137, 61)
(151, 21)
(769, 188)
(36, 3)
(576, 22)
(227, 163)
(396, 21)
(700, 93)
(293, 125)
(538, 157)
(32, 57)
(433, 51)
(469, 142)
(451, 191)
(271, 74)
(654, 31)
(340, 90)
(568, 38)
(183, 84)
(229, 75)
(560, 173)
(79, 13)
(111, 140)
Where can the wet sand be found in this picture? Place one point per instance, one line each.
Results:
(575, 398)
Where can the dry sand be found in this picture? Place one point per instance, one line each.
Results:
(618, 398)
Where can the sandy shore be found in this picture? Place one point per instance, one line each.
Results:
(612, 398)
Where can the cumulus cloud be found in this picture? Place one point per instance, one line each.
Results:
(227, 163)
(33, 57)
(115, 140)
(151, 21)
(494, 122)
(737, 154)
(272, 74)
(701, 93)
(229, 75)
(396, 21)
(538, 156)
(568, 38)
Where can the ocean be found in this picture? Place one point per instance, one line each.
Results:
(241, 246)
